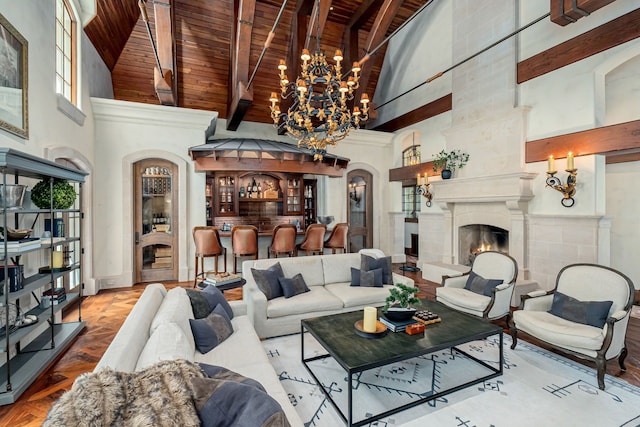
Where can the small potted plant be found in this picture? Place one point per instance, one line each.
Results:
(397, 305)
(449, 161)
(64, 195)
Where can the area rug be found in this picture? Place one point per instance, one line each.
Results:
(538, 388)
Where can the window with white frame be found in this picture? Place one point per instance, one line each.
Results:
(65, 51)
(410, 201)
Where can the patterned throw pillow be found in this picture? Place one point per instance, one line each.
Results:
(592, 313)
(294, 286)
(212, 330)
(478, 284)
(368, 263)
(267, 280)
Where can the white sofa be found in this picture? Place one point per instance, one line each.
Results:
(158, 329)
(328, 278)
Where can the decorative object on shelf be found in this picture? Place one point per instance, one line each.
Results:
(13, 84)
(353, 193)
(379, 332)
(16, 277)
(448, 161)
(16, 234)
(568, 190)
(58, 226)
(411, 156)
(11, 196)
(64, 195)
(397, 305)
(13, 316)
(423, 189)
(319, 115)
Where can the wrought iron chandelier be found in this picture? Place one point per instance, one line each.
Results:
(319, 115)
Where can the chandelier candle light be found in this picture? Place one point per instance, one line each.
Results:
(568, 190)
(423, 189)
(319, 115)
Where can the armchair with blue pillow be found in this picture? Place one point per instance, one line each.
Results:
(585, 315)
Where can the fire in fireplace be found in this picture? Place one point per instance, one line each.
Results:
(476, 238)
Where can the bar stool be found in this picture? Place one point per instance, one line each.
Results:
(313, 242)
(338, 238)
(244, 242)
(207, 240)
(283, 240)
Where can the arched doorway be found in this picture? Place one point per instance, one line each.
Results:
(156, 220)
(360, 212)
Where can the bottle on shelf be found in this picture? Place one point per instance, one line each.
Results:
(254, 188)
(259, 191)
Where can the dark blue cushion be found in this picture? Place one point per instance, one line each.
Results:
(368, 263)
(268, 280)
(212, 330)
(478, 284)
(199, 303)
(293, 286)
(214, 297)
(592, 313)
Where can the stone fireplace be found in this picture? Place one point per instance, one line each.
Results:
(476, 238)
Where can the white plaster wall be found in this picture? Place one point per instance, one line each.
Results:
(620, 84)
(623, 206)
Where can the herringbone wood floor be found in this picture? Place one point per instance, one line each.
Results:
(105, 313)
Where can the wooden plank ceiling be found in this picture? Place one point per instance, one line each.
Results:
(205, 33)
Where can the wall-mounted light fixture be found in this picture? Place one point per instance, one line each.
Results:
(423, 188)
(353, 193)
(568, 190)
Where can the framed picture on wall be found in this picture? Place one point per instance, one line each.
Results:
(13, 80)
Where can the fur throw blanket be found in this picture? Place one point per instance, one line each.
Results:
(161, 395)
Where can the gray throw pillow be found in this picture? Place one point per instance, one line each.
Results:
(478, 284)
(368, 263)
(227, 398)
(294, 286)
(199, 304)
(372, 278)
(214, 296)
(212, 330)
(592, 313)
(268, 280)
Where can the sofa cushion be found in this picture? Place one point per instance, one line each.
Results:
(592, 313)
(357, 296)
(309, 266)
(214, 296)
(199, 304)
(228, 398)
(317, 299)
(176, 308)
(368, 263)
(478, 284)
(337, 268)
(268, 280)
(212, 330)
(293, 286)
(166, 343)
(371, 278)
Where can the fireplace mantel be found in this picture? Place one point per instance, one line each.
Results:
(514, 187)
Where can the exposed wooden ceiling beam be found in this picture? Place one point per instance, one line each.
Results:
(350, 38)
(241, 96)
(316, 28)
(165, 83)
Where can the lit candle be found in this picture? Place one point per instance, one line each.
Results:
(369, 322)
(426, 179)
(570, 161)
(552, 164)
(418, 180)
(57, 259)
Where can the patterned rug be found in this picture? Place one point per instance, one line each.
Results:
(538, 388)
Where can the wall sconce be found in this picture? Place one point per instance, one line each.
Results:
(568, 190)
(353, 194)
(423, 189)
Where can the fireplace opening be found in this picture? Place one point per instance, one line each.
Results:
(476, 238)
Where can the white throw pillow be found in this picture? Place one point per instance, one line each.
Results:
(176, 308)
(167, 342)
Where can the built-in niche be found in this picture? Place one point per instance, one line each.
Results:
(476, 238)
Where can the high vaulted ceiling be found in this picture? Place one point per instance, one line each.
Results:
(207, 38)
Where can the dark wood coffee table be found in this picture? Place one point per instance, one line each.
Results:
(356, 354)
(225, 286)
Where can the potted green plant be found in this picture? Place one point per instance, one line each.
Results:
(448, 161)
(398, 304)
(64, 195)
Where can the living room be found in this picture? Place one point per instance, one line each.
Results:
(508, 126)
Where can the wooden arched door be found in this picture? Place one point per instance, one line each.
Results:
(360, 211)
(156, 220)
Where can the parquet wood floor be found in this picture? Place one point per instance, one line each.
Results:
(105, 313)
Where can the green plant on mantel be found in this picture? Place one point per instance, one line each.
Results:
(401, 295)
(64, 195)
(451, 160)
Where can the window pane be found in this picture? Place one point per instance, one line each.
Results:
(67, 20)
(67, 91)
(59, 61)
(59, 33)
(59, 84)
(67, 71)
(59, 8)
(67, 44)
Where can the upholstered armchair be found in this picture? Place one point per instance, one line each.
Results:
(585, 315)
(486, 290)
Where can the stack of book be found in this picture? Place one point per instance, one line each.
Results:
(162, 258)
(55, 296)
(25, 244)
(221, 279)
(394, 326)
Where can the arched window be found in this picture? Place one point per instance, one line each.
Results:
(65, 51)
(411, 155)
